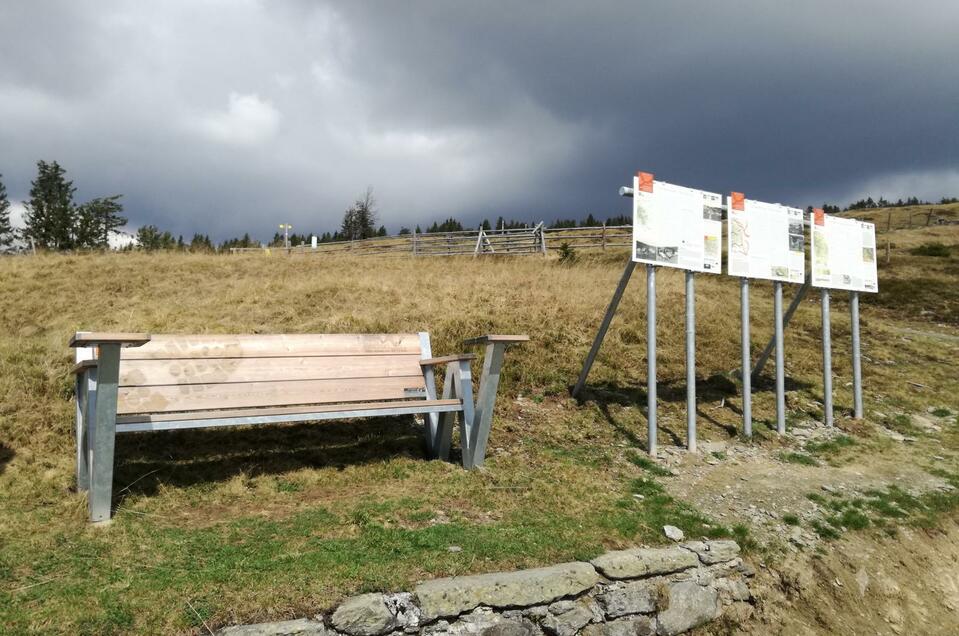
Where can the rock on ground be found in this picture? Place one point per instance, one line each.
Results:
(632, 564)
(689, 605)
(298, 627)
(621, 599)
(633, 626)
(456, 595)
(364, 615)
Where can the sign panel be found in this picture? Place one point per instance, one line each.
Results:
(675, 226)
(765, 240)
(843, 253)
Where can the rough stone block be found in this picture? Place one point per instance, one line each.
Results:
(711, 552)
(459, 594)
(485, 622)
(364, 615)
(298, 627)
(567, 621)
(632, 626)
(688, 605)
(638, 562)
(621, 599)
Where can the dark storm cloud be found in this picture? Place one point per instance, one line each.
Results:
(233, 116)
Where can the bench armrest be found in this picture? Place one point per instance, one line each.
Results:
(83, 365)
(92, 339)
(428, 362)
(493, 338)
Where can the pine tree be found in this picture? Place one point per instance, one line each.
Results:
(50, 211)
(96, 219)
(6, 230)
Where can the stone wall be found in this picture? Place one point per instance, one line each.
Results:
(662, 591)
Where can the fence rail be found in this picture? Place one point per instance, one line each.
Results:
(513, 242)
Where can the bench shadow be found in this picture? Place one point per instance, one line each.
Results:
(6, 454)
(147, 461)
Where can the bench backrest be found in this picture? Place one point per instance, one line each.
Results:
(175, 373)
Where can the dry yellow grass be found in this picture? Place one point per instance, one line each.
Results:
(274, 521)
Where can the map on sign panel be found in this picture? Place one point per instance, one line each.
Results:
(675, 226)
(843, 253)
(765, 240)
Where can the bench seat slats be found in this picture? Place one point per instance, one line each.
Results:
(263, 346)
(218, 370)
(196, 397)
(340, 409)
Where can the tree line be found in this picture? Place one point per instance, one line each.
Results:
(54, 221)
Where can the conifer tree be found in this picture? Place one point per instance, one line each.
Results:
(50, 211)
(6, 230)
(96, 219)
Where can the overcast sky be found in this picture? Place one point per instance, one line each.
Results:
(231, 116)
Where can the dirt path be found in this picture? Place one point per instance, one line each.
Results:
(861, 583)
(754, 486)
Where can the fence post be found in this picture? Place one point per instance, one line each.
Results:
(604, 235)
(414, 241)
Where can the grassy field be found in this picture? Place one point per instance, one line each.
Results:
(276, 522)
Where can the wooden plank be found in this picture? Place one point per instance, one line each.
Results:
(495, 338)
(460, 356)
(197, 397)
(272, 345)
(91, 338)
(287, 410)
(218, 370)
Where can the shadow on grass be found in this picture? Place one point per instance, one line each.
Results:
(144, 461)
(6, 454)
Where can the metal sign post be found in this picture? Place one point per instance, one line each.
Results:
(780, 370)
(768, 351)
(690, 362)
(826, 359)
(651, 358)
(856, 359)
(604, 326)
(747, 378)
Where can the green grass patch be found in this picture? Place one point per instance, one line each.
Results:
(829, 447)
(941, 412)
(644, 518)
(798, 458)
(824, 530)
(790, 519)
(647, 464)
(932, 249)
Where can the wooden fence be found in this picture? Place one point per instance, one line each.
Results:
(520, 241)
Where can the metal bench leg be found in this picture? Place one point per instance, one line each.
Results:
(486, 400)
(444, 432)
(432, 420)
(86, 397)
(463, 382)
(103, 433)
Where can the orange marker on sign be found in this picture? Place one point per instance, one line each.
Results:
(819, 217)
(645, 181)
(739, 201)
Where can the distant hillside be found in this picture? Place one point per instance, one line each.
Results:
(905, 217)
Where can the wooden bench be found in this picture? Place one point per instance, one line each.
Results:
(131, 382)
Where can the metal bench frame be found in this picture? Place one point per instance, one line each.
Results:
(97, 380)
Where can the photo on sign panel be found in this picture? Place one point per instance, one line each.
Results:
(843, 253)
(675, 226)
(766, 240)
